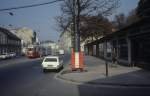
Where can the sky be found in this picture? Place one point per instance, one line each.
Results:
(41, 18)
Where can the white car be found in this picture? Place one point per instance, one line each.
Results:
(12, 54)
(52, 62)
(4, 56)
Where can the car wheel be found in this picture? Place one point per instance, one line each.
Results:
(62, 67)
(44, 70)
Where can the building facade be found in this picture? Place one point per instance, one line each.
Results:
(51, 48)
(26, 35)
(65, 41)
(131, 45)
(9, 42)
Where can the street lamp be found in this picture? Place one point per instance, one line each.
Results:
(11, 14)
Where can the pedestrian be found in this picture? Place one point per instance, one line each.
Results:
(114, 58)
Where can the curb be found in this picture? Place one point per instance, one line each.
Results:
(72, 81)
(61, 78)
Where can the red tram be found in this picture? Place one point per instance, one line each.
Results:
(33, 52)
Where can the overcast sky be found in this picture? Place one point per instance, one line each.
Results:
(41, 19)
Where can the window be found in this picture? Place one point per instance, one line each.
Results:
(4, 40)
(123, 49)
(0, 39)
(141, 52)
(101, 50)
(94, 50)
(30, 49)
(109, 51)
(50, 60)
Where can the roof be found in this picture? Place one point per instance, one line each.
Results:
(8, 33)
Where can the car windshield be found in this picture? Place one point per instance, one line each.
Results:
(50, 60)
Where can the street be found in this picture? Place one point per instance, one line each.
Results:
(100, 48)
(27, 79)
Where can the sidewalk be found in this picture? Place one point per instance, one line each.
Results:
(118, 76)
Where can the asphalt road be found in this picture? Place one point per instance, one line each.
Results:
(25, 78)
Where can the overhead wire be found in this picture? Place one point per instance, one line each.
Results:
(28, 6)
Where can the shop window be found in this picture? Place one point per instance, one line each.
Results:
(101, 50)
(109, 51)
(123, 49)
(94, 50)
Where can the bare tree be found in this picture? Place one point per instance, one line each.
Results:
(120, 20)
(132, 17)
(87, 8)
(143, 8)
(95, 27)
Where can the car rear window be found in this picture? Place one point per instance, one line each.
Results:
(50, 60)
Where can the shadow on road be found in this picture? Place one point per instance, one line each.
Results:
(135, 83)
(52, 70)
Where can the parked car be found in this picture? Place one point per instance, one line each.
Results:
(12, 54)
(4, 56)
(52, 62)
